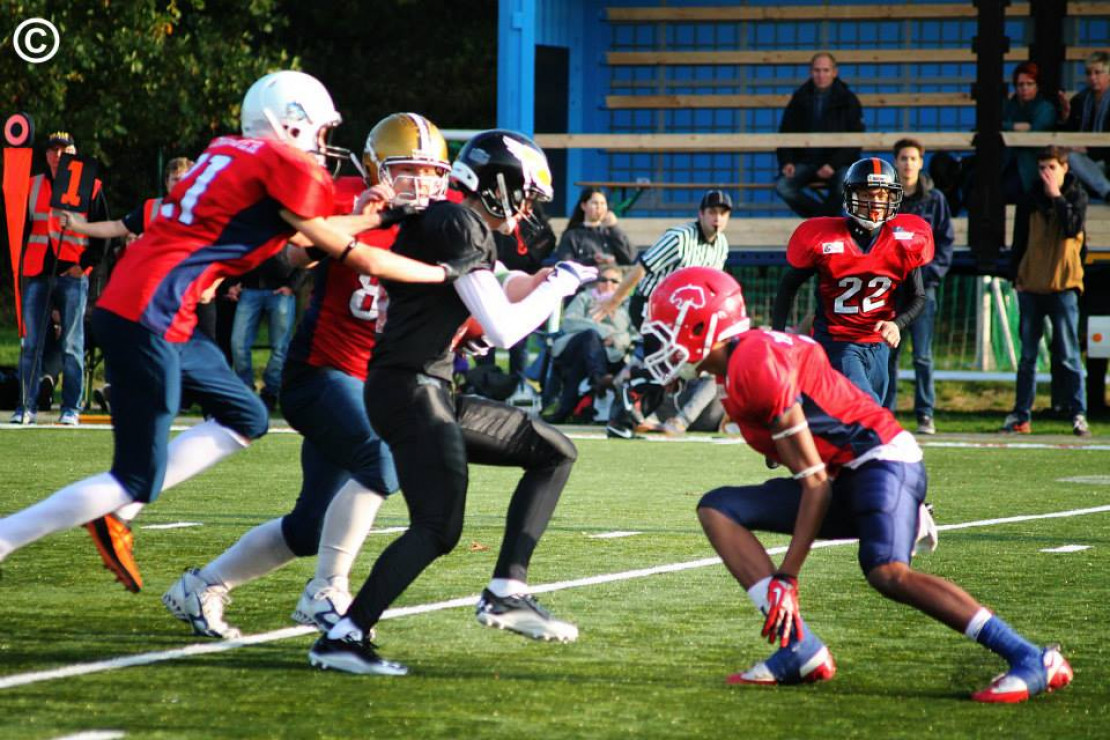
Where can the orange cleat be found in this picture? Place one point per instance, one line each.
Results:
(116, 545)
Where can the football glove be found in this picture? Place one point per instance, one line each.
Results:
(568, 276)
(927, 533)
(456, 268)
(784, 614)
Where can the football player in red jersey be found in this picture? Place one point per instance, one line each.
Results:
(854, 473)
(347, 471)
(860, 261)
(242, 201)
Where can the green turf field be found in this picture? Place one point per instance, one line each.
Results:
(654, 650)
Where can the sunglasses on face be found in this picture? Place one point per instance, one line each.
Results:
(615, 281)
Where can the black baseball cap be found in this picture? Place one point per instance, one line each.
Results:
(59, 138)
(715, 198)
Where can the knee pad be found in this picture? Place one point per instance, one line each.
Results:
(302, 534)
(560, 445)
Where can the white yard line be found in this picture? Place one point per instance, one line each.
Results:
(208, 648)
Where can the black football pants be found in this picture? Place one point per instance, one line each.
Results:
(433, 434)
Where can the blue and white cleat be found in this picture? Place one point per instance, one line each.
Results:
(789, 666)
(1012, 687)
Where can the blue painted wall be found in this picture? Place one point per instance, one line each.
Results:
(580, 25)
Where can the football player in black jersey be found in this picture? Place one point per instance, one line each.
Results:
(434, 433)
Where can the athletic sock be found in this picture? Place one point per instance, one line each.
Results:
(348, 520)
(502, 587)
(72, 506)
(260, 551)
(1023, 656)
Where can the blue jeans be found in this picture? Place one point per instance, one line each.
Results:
(1090, 173)
(803, 201)
(281, 310)
(866, 365)
(1062, 309)
(70, 295)
(921, 334)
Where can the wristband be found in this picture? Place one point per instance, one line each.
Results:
(350, 247)
(812, 470)
(791, 431)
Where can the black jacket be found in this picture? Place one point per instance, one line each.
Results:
(1075, 122)
(843, 113)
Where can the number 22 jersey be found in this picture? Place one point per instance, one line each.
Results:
(855, 289)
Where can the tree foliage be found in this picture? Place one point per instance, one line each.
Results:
(138, 80)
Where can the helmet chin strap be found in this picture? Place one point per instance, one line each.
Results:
(279, 130)
(508, 224)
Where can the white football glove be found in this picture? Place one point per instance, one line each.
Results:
(568, 276)
(476, 347)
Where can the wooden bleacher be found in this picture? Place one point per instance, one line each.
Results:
(772, 234)
(826, 12)
(803, 56)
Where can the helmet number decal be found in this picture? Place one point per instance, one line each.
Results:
(211, 167)
(879, 286)
(364, 301)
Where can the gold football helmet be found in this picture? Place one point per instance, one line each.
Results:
(400, 151)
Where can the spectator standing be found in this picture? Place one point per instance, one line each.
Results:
(1048, 276)
(592, 236)
(1025, 110)
(824, 104)
(54, 267)
(270, 289)
(1089, 110)
(920, 198)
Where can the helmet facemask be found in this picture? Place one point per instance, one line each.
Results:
(412, 189)
(859, 203)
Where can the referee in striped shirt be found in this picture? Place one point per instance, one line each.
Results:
(700, 243)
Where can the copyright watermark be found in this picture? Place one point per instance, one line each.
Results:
(36, 40)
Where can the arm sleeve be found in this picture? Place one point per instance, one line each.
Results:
(784, 299)
(1072, 212)
(505, 323)
(913, 293)
(133, 221)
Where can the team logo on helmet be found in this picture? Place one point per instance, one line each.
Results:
(533, 165)
(689, 295)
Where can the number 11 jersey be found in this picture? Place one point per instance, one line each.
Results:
(222, 220)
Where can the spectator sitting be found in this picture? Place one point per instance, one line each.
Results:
(592, 236)
(823, 104)
(920, 198)
(590, 350)
(1048, 275)
(1089, 110)
(1026, 110)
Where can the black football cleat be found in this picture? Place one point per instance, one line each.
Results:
(353, 656)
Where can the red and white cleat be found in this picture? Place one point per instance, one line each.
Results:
(1012, 689)
(821, 667)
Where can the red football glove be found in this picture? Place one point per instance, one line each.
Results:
(784, 614)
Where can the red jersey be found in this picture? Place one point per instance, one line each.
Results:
(222, 219)
(340, 321)
(769, 371)
(856, 289)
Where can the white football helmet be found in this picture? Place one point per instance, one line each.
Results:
(293, 107)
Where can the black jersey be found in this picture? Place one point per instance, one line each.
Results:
(420, 319)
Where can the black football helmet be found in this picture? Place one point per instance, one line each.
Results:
(863, 176)
(504, 169)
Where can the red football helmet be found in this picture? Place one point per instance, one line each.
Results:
(691, 311)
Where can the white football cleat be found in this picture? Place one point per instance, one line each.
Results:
(191, 599)
(521, 613)
(1010, 688)
(321, 605)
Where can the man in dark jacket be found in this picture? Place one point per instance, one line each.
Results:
(822, 105)
(1089, 110)
(920, 198)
